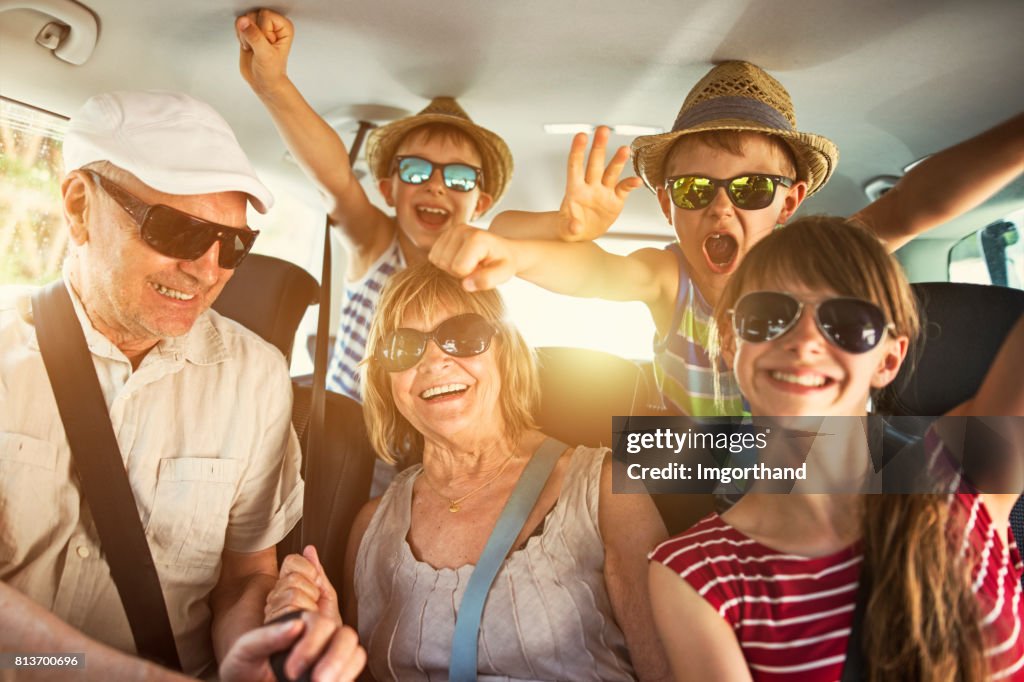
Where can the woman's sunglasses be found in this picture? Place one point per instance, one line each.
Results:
(749, 192)
(850, 324)
(460, 177)
(179, 235)
(461, 336)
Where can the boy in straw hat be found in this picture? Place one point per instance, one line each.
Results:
(436, 169)
(732, 169)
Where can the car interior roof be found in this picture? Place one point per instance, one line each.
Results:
(888, 82)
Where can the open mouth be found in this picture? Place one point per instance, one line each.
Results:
(431, 215)
(445, 390)
(720, 251)
(172, 293)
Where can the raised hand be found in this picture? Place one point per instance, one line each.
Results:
(481, 259)
(302, 585)
(594, 195)
(264, 38)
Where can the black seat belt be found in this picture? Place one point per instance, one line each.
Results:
(96, 457)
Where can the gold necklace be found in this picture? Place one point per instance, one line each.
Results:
(453, 503)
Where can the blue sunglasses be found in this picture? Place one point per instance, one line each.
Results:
(461, 177)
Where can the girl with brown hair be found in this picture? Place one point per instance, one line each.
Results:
(817, 319)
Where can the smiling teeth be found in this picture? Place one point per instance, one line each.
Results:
(442, 390)
(813, 381)
(173, 293)
(436, 211)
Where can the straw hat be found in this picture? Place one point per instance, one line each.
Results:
(496, 159)
(738, 96)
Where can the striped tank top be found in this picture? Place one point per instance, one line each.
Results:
(792, 614)
(682, 365)
(360, 304)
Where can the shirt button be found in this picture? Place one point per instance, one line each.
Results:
(82, 551)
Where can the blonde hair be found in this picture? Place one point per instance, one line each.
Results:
(421, 290)
(733, 142)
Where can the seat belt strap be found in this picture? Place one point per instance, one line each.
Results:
(97, 459)
(463, 666)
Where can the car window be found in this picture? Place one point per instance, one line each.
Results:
(547, 319)
(993, 254)
(32, 234)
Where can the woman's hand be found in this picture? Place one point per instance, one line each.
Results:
(302, 585)
(264, 38)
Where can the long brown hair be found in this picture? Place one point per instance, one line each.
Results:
(922, 620)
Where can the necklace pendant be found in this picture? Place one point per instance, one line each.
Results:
(453, 506)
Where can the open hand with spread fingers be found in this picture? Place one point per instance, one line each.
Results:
(594, 195)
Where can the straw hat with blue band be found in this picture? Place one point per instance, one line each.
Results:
(495, 157)
(742, 97)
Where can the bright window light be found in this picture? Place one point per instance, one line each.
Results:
(547, 319)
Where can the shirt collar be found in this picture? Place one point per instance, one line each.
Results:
(202, 345)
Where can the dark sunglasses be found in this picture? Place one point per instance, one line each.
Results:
(850, 324)
(173, 233)
(749, 192)
(461, 336)
(460, 177)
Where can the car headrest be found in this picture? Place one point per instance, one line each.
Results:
(963, 327)
(269, 296)
(581, 390)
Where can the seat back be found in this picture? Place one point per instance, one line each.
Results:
(581, 390)
(269, 296)
(964, 326)
(338, 485)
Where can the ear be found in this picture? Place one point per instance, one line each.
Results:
(75, 199)
(386, 187)
(795, 196)
(665, 201)
(483, 203)
(890, 362)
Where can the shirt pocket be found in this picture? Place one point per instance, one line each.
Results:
(191, 509)
(28, 495)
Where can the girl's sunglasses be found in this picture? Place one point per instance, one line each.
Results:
(173, 233)
(460, 177)
(461, 336)
(850, 324)
(749, 192)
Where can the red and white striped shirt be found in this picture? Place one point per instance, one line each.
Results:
(792, 614)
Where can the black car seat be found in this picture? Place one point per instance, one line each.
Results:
(269, 296)
(964, 327)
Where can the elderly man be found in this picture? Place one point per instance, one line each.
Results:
(155, 202)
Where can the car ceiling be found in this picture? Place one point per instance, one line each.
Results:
(889, 82)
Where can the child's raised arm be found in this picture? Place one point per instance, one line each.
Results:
(265, 38)
(594, 197)
(484, 260)
(947, 184)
